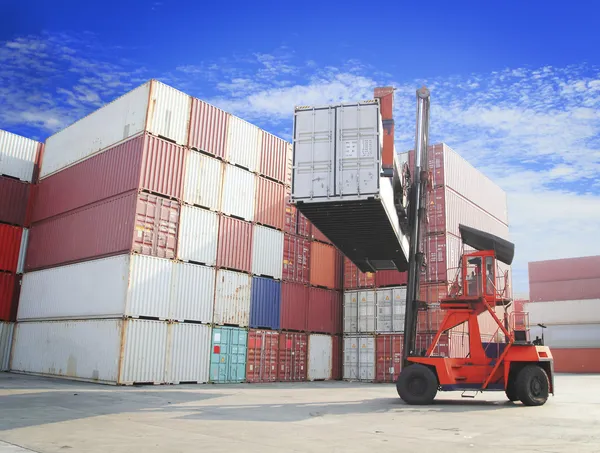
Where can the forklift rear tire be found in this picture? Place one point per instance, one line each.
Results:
(511, 390)
(417, 384)
(532, 385)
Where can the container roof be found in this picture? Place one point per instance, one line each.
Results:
(480, 240)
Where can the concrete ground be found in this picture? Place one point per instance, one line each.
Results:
(47, 415)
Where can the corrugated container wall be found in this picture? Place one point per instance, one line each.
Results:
(390, 278)
(564, 269)
(269, 203)
(18, 156)
(198, 235)
(232, 299)
(243, 143)
(388, 360)
(273, 157)
(586, 311)
(324, 261)
(144, 162)
(588, 288)
(262, 356)
(265, 303)
(203, 181)
(569, 335)
(8, 296)
(580, 360)
(294, 306)
(324, 311)
(320, 361)
(6, 335)
(208, 128)
(293, 351)
(10, 247)
(14, 201)
(228, 355)
(238, 193)
(190, 353)
(267, 252)
(296, 259)
(154, 107)
(359, 358)
(354, 278)
(147, 224)
(234, 250)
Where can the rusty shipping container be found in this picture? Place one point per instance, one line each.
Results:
(564, 269)
(294, 306)
(354, 278)
(269, 205)
(273, 157)
(390, 278)
(292, 359)
(325, 266)
(588, 288)
(14, 201)
(262, 356)
(296, 259)
(324, 311)
(388, 357)
(132, 222)
(208, 128)
(144, 162)
(234, 250)
(10, 285)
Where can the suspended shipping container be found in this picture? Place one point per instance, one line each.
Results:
(324, 311)
(153, 107)
(294, 306)
(232, 299)
(359, 358)
(265, 303)
(586, 311)
(244, 143)
(147, 224)
(588, 288)
(203, 181)
(269, 203)
(6, 335)
(292, 359)
(238, 193)
(9, 295)
(10, 245)
(198, 235)
(267, 252)
(208, 128)
(273, 157)
(262, 356)
(18, 156)
(141, 163)
(15, 201)
(234, 250)
(123, 285)
(296, 259)
(388, 360)
(585, 267)
(228, 355)
(320, 360)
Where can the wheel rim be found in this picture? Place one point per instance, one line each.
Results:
(417, 385)
(536, 386)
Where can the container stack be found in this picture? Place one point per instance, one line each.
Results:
(565, 297)
(19, 157)
(156, 252)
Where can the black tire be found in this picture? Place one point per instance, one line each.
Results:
(417, 384)
(532, 385)
(511, 391)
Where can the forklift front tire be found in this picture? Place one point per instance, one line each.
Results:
(532, 385)
(417, 384)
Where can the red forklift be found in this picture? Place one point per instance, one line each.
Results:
(522, 368)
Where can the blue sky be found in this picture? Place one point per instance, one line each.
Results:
(515, 88)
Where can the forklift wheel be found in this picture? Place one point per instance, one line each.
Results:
(511, 390)
(417, 384)
(532, 385)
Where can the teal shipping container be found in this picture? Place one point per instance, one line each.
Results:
(228, 355)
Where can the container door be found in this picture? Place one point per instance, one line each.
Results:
(384, 310)
(366, 311)
(314, 154)
(350, 312)
(351, 358)
(237, 366)
(218, 355)
(399, 309)
(367, 359)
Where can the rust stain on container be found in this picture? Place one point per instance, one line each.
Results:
(262, 356)
(269, 205)
(273, 157)
(208, 128)
(324, 311)
(293, 351)
(14, 199)
(294, 306)
(156, 226)
(234, 250)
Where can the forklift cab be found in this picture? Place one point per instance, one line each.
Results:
(479, 276)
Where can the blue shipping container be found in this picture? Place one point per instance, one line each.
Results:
(228, 355)
(265, 303)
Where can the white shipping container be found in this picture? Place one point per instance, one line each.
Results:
(244, 143)
(198, 235)
(203, 181)
(6, 335)
(320, 360)
(359, 358)
(568, 335)
(238, 193)
(23, 250)
(17, 156)
(153, 107)
(564, 312)
(267, 252)
(350, 311)
(144, 351)
(190, 353)
(366, 311)
(391, 307)
(232, 299)
(124, 285)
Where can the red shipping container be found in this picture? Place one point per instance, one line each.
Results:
(234, 250)
(208, 128)
(430, 320)
(318, 236)
(263, 351)
(588, 288)
(580, 360)
(14, 200)
(296, 259)
(10, 285)
(354, 278)
(269, 205)
(144, 162)
(304, 227)
(293, 350)
(294, 306)
(10, 245)
(337, 358)
(325, 266)
(390, 278)
(423, 342)
(273, 157)
(133, 222)
(291, 216)
(564, 269)
(324, 311)
(388, 357)
(433, 293)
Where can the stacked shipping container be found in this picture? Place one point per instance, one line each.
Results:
(565, 297)
(169, 243)
(19, 157)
